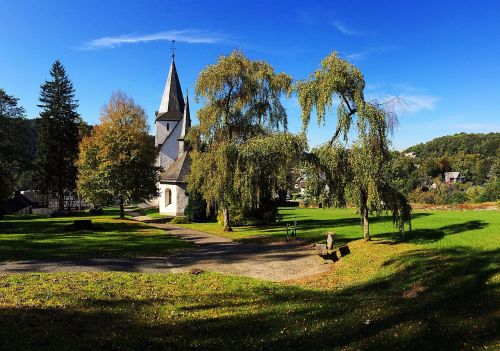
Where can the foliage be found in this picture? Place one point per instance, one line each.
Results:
(58, 138)
(179, 220)
(196, 208)
(117, 161)
(237, 158)
(338, 81)
(14, 141)
(485, 145)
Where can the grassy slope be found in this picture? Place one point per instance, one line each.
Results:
(437, 290)
(32, 237)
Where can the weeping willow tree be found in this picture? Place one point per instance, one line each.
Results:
(237, 157)
(360, 174)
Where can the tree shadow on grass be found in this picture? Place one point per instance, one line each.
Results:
(27, 239)
(424, 236)
(439, 299)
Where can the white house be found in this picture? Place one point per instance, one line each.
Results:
(172, 124)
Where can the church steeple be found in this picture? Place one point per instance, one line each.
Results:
(186, 124)
(172, 101)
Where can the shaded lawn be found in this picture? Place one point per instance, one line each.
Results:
(429, 227)
(39, 237)
(438, 299)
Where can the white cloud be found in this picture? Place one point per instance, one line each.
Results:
(406, 103)
(415, 103)
(361, 55)
(342, 28)
(189, 36)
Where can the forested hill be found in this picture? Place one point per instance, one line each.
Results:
(486, 145)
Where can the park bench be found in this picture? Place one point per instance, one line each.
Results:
(291, 231)
(327, 251)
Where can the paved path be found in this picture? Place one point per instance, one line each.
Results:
(276, 262)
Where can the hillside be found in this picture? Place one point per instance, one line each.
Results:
(486, 145)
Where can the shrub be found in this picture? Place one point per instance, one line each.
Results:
(96, 211)
(457, 197)
(179, 220)
(196, 209)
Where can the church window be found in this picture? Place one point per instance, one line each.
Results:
(168, 197)
(168, 126)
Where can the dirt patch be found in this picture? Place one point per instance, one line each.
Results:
(485, 206)
(414, 291)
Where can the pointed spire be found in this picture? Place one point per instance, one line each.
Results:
(186, 124)
(172, 101)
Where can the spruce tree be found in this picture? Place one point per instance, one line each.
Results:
(58, 139)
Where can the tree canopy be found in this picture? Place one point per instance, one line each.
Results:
(237, 157)
(14, 144)
(58, 135)
(117, 160)
(340, 82)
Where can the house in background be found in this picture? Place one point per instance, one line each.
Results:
(452, 177)
(19, 204)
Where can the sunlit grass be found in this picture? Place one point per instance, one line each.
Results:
(39, 237)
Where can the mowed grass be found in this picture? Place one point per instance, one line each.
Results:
(434, 228)
(437, 290)
(40, 237)
(449, 304)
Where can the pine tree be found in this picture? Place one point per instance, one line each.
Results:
(58, 139)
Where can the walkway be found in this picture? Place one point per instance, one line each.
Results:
(276, 262)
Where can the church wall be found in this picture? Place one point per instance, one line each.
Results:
(178, 199)
(169, 150)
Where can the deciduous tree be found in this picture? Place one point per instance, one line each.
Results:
(117, 160)
(242, 109)
(339, 82)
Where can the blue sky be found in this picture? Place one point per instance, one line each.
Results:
(442, 57)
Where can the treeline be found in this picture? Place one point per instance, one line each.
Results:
(486, 145)
(420, 170)
(58, 154)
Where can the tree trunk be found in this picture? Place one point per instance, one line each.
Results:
(61, 201)
(366, 224)
(122, 210)
(225, 214)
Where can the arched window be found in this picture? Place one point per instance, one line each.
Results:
(168, 197)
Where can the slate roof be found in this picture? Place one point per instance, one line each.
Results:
(186, 120)
(178, 170)
(172, 101)
(17, 203)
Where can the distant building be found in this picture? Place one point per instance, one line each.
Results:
(19, 204)
(411, 154)
(452, 177)
(172, 124)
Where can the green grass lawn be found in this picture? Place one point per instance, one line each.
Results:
(438, 290)
(434, 228)
(39, 237)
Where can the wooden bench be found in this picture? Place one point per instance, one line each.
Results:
(327, 252)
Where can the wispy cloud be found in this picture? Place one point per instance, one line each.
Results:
(361, 55)
(190, 36)
(406, 103)
(342, 28)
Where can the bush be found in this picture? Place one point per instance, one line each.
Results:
(196, 209)
(179, 220)
(457, 197)
(266, 214)
(96, 211)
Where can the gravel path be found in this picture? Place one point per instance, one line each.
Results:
(276, 262)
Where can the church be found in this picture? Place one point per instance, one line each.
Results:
(172, 124)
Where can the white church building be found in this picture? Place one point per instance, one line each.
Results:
(172, 124)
